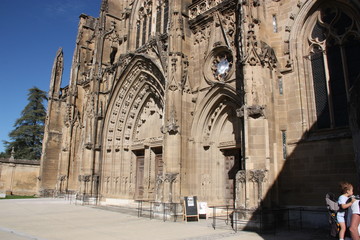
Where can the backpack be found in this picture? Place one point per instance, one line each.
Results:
(333, 208)
(331, 203)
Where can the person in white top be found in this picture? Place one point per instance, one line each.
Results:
(355, 221)
(347, 191)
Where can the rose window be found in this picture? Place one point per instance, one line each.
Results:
(221, 66)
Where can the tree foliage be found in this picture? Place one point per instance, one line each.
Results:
(26, 138)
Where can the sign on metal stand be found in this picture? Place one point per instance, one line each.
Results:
(191, 208)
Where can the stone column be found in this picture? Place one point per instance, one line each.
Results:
(169, 193)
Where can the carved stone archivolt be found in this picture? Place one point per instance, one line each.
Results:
(140, 96)
(211, 120)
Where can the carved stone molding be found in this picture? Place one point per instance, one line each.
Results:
(254, 111)
(253, 175)
(267, 56)
(112, 35)
(253, 51)
(241, 176)
(171, 127)
(258, 176)
(170, 177)
(104, 6)
(178, 25)
(160, 179)
(72, 116)
(206, 6)
(85, 178)
(62, 178)
(240, 112)
(88, 145)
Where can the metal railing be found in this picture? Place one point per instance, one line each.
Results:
(162, 210)
(262, 220)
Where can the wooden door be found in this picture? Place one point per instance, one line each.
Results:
(139, 177)
(231, 167)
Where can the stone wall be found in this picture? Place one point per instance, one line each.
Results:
(19, 177)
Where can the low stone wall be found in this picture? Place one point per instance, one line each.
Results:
(19, 176)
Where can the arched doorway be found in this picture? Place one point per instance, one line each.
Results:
(132, 138)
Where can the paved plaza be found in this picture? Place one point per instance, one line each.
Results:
(57, 219)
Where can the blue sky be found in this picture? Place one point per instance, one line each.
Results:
(31, 33)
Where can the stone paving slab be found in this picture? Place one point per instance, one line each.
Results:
(54, 219)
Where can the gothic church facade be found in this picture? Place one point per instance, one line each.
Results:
(238, 102)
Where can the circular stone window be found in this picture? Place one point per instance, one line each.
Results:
(218, 65)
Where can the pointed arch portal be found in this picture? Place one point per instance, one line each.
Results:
(132, 123)
(217, 135)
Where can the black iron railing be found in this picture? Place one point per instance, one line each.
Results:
(162, 210)
(262, 220)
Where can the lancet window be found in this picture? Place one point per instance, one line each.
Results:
(162, 16)
(143, 24)
(144, 29)
(334, 54)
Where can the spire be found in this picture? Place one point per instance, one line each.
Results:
(56, 75)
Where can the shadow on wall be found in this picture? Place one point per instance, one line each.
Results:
(316, 165)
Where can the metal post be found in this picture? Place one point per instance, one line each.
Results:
(288, 219)
(139, 208)
(227, 214)
(164, 211)
(301, 223)
(214, 217)
(151, 209)
(261, 220)
(235, 219)
(175, 212)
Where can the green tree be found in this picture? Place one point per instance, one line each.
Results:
(3, 155)
(26, 138)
